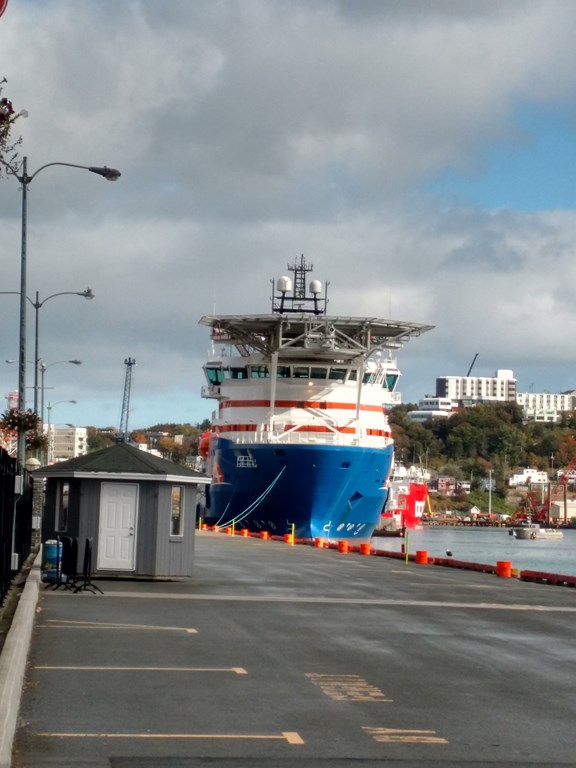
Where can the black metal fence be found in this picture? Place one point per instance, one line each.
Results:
(15, 521)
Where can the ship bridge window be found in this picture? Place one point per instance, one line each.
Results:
(301, 372)
(318, 373)
(391, 381)
(368, 378)
(259, 372)
(238, 373)
(337, 374)
(214, 375)
(283, 372)
(353, 375)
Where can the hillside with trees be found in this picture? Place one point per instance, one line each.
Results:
(486, 438)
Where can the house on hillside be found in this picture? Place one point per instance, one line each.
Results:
(528, 477)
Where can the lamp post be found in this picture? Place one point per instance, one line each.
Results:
(43, 367)
(50, 435)
(110, 174)
(87, 294)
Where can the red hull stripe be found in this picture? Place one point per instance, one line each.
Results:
(318, 404)
(312, 428)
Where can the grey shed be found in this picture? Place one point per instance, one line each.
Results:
(138, 510)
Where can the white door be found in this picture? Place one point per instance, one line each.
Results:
(117, 530)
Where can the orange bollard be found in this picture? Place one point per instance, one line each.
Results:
(319, 543)
(204, 527)
(244, 532)
(504, 569)
(365, 549)
(264, 535)
(422, 557)
(343, 547)
(288, 538)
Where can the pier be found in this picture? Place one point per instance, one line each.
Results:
(275, 653)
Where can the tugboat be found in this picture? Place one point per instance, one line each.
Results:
(301, 441)
(406, 503)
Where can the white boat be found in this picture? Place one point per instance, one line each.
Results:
(535, 531)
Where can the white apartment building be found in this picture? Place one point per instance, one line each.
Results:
(432, 408)
(66, 443)
(545, 406)
(528, 477)
(469, 390)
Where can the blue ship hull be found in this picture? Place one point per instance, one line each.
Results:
(324, 491)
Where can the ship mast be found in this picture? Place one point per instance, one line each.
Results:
(291, 295)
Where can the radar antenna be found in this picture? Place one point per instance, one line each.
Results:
(291, 295)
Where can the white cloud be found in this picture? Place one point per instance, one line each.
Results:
(249, 132)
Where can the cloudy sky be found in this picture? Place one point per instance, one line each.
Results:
(419, 153)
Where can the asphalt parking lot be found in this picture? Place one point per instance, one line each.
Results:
(279, 655)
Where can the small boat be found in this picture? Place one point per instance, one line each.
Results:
(531, 530)
(406, 503)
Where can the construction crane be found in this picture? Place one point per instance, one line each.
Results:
(122, 434)
(472, 365)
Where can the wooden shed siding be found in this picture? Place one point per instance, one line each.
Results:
(50, 509)
(89, 520)
(147, 529)
(174, 553)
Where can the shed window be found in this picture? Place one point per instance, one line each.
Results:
(62, 504)
(176, 516)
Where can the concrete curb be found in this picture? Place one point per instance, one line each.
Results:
(13, 662)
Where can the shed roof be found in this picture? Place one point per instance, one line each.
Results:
(125, 461)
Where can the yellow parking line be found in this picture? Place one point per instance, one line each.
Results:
(60, 624)
(235, 670)
(404, 736)
(290, 737)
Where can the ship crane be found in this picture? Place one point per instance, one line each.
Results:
(122, 434)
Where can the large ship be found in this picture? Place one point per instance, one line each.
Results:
(300, 442)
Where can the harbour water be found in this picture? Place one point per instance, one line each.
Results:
(488, 545)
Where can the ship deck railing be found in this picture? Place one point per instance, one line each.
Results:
(306, 438)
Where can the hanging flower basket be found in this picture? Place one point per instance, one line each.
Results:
(8, 116)
(36, 441)
(20, 421)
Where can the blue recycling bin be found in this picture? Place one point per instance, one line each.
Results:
(51, 557)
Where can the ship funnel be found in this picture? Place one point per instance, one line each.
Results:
(315, 287)
(284, 284)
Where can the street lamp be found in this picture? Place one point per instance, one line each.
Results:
(110, 174)
(43, 366)
(50, 435)
(87, 294)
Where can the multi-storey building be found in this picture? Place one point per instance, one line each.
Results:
(478, 389)
(545, 406)
(66, 443)
(502, 387)
(432, 408)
